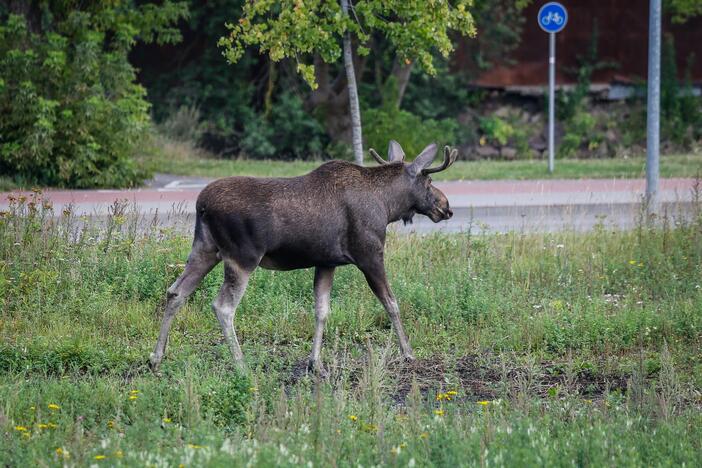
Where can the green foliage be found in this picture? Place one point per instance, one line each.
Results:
(293, 29)
(440, 96)
(684, 9)
(681, 110)
(496, 129)
(73, 113)
(288, 133)
(411, 131)
(500, 24)
(570, 103)
(227, 399)
(580, 132)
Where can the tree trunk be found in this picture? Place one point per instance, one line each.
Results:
(402, 72)
(356, 134)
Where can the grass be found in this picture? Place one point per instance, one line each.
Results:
(561, 349)
(181, 159)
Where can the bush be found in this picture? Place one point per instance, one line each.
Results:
(381, 125)
(289, 132)
(72, 112)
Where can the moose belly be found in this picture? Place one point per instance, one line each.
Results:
(292, 259)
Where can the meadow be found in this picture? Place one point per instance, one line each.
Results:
(533, 350)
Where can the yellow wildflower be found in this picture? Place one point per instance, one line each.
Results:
(632, 262)
(253, 389)
(439, 412)
(452, 393)
(370, 428)
(195, 446)
(484, 402)
(99, 457)
(353, 417)
(119, 454)
(59, 451)
(21, 428)
(424, 435)
(54, 407)
(42, 426)
(133, 392)
(133, 397)
(403, 445)
(51, 425)
(110, 424)
(32, 408)
(167, 420)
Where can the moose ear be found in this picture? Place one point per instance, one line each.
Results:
(423, 160)
(395, 152)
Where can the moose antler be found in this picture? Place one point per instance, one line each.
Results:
(377, 157)
(449, 158)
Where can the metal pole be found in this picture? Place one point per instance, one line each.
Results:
(551, 97)
(654, 102)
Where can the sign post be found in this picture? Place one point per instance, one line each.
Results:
(654, 104)
(552, 18)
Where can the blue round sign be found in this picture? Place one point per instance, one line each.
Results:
(553, 17)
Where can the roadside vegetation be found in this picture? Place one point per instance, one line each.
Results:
(182, 158)
(547, 349)
(83, 86)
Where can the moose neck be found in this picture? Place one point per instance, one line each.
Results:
(395, 192)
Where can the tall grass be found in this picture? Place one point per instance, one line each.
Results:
(548, 349)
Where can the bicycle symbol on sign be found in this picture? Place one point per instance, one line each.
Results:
(554, 17)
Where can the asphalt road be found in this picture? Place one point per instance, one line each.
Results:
(481, 206)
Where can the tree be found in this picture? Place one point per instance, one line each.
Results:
(71, 109)
(310, 32)
(684, 9)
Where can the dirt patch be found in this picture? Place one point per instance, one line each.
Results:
(478, 378)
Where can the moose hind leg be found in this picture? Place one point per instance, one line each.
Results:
(375, 276)
(224, 306)
(199, 263)
(323, 278)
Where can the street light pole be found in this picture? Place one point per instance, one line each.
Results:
(653, 121)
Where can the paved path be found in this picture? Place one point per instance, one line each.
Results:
(534, 205)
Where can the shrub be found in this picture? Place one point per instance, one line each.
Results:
(72, 112)
(289, 132)
(381, 125)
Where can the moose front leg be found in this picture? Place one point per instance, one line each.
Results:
(323, 278)
(377, 280)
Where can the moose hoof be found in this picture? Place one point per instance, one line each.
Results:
(410, 358)
(154, 365)
(316, 368)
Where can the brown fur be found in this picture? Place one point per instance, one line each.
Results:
(335, 215)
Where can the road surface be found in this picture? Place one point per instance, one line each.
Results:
(481, 206)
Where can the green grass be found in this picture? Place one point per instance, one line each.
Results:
(562, 349)
(671, 166)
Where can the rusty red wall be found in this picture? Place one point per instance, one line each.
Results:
(623, 39)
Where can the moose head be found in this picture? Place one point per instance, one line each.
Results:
(425, 198)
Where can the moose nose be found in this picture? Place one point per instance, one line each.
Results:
(449, 213)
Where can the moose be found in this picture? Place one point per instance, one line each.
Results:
(335, 215)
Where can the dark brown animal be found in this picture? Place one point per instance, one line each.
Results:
(335, 215)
